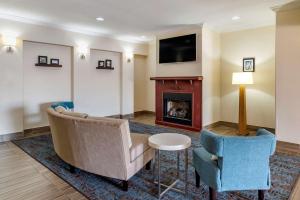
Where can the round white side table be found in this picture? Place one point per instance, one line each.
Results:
(170, 142)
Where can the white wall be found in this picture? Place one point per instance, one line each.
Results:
(258, 43)
(140, 88)
(11, 70)
(99, 90)
(211, 71)
(287, 75)
(43, 85)
(11, 90)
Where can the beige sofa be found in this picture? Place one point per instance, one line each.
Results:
(103, 146)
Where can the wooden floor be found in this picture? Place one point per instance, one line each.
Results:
(22, 177)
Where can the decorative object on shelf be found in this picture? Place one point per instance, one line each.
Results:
(248, 64)
(108, 63)
(9, 42)
(101, 63)
(43, 60)
(242, 79)
(54, 61)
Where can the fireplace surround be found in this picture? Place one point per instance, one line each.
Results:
(178, 102)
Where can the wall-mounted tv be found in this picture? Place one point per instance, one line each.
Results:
(177, 49)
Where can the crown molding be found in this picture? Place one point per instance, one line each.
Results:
(287, 7)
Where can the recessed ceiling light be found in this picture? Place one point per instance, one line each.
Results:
(143, 37)
(235, 18)
(100, 19)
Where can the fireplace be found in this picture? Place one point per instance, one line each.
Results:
(178, 108)
(178, 102)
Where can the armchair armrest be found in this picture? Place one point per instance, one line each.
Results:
(213, 143)
(264, 133)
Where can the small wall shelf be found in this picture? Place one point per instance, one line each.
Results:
(108, 68)
(47, 65)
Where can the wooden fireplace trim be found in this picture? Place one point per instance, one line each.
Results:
(179, 84)
(178, 78)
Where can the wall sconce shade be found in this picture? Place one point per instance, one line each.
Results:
(242, 78)
(129, 55)
(83, 51)
(9, 42)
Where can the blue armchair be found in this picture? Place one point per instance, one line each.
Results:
(228, 163)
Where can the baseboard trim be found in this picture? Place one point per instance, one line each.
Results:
(11, 136)
(213, 125)
(143, 112)
(37, 130)
(249, 127)
(127, 116)
(288, 144)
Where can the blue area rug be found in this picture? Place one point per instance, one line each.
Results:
(285, 170)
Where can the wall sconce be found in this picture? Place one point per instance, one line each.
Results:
(9, 42)
(129, 56)
(82, 56)
(83, 50)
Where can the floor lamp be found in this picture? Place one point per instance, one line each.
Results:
(242, 79)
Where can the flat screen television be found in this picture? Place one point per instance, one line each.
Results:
(177, 49)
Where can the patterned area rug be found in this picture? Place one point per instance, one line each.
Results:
(285, 170)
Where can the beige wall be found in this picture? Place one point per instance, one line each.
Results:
(151, 72)
(100, 90)
(258, 43)
(211, 66)
(287, 75)
(11, 90)
(42, 85)
(140, 78)
(185, 68)
(207, 64)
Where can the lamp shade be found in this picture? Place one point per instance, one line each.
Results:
(242, 78)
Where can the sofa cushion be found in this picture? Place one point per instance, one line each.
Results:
(60, 109)
(75, 114)
(139, 145)
(114, 119)
(69, 105)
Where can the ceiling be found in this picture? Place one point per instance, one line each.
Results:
(131, 19)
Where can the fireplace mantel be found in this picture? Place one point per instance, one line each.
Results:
(178, 78)
(179, 85)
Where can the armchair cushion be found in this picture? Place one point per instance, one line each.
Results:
(206, 167)
(74, 114)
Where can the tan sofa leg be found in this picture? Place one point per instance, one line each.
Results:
(125, 186)
(148, 165)
(71, 169)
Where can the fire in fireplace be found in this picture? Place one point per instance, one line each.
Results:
(177, 108)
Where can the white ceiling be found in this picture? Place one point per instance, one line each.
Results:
(130, 19)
